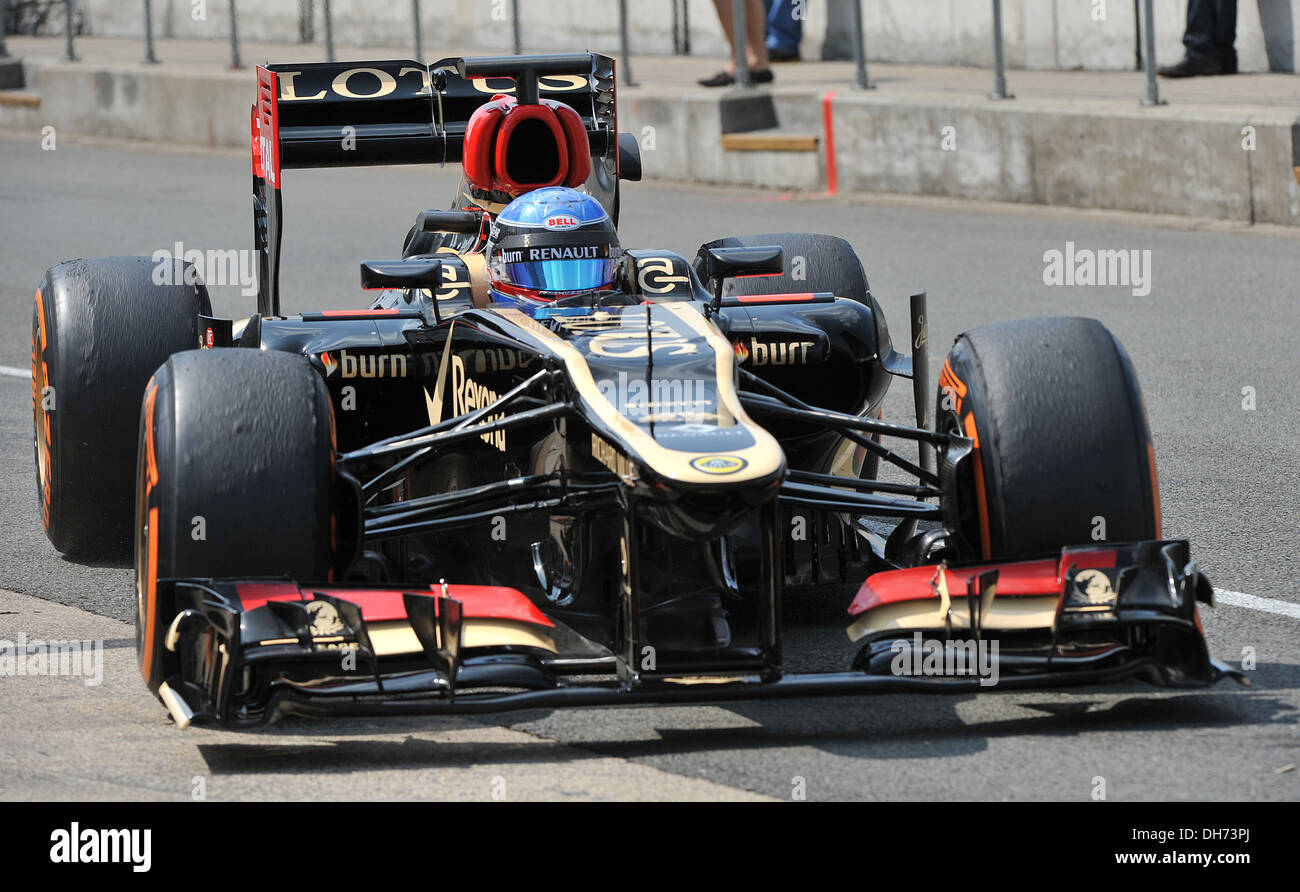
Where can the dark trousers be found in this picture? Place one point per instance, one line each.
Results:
(1211, 31)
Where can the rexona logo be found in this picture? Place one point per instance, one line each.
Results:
(773, 353)
(365, 365)
(468, 395)
(562, 221)
(718, 464)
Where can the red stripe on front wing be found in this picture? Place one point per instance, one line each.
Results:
(382, 604)
(1015, 579)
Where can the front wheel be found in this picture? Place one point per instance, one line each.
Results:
(236, 479)
(1062, 450)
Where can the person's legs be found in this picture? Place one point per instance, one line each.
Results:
(784, 31)
(1225, 34)
(756, 39)
(755, 44)
(1211, 32)
(1202, 27)
(726, 17)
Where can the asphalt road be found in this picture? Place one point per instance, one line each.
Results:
(1221, 316)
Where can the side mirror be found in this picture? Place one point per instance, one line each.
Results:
(721, 264)
(629, 157)
(466, 222)
(421, 273)
(759, 260)
(401, 274)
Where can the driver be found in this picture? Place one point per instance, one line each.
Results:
(548, 245)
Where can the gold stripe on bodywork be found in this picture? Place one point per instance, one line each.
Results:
(764, 458)
(1004, 615)
(434, 403)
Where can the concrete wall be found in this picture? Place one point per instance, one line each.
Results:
(1150, 161)
(1164, 160)
(1091, 34)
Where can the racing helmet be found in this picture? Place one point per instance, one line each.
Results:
(550, 244)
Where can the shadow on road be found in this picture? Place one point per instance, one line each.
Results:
(886, 727)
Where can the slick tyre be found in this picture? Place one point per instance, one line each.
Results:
(814, 263)
(1062, 455)
(235, 478)
(99, 329)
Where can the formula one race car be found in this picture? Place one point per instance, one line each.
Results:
(543, 470)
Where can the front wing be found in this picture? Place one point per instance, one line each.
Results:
(252, 651)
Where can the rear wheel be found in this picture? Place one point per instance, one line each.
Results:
(99, 329)
(813, 262)
(236, 479)
(1063, 454)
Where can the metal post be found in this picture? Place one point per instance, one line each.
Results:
(329, 33)
(67, 30)
(859, 49)
(1153, 92)
(234, 39)
(514, 27)
(415, 14)
(739, 43)
(4, 18)
(306, 28)
(999, 63)
(148, 33)
(628, 80)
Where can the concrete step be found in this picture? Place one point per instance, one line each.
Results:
(20, 99)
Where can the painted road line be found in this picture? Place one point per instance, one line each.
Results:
(15, 373)
(1251, 602)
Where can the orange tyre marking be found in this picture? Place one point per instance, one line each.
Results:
(40, 315)
(981, 496)
(150, 590)
(948, 380)
(151, 462)
(151, 546)
(41, 380)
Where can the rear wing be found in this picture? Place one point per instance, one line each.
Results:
(347, 114)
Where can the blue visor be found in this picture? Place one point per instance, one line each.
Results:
(560, 275)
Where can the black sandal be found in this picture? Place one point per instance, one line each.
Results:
(721, 79)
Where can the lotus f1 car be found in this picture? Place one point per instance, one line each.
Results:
(441, 503)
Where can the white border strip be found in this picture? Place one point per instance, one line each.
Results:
(15, 373)
(1251, 602)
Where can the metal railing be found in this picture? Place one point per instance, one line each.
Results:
(69, 23)
(999, 62)
(681, 38)
(1149, 57)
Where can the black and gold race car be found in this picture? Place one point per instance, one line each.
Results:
(439, 503)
